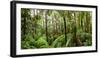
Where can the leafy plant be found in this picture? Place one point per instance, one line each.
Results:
(58, 42)
(42, 28)
(41, 43)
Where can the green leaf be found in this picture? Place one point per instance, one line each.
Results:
(41, 43)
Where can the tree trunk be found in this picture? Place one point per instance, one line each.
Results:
(65, 29)
(46, 24)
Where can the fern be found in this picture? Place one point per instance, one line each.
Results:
(28, 41)
(69, 38)
(41, 43)
(58, 42)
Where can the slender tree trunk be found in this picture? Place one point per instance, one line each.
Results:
(25, 25)
(65, 29)
(76, 37)
(46, 24)
(35, 20)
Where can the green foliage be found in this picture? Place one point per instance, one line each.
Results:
(41, 43)
(55, 28)
(86, 38)
(28, 42)
(59, 41)
(69, 38)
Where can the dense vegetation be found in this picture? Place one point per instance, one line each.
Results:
(55, 28)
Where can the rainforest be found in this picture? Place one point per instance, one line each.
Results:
(50, 28)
